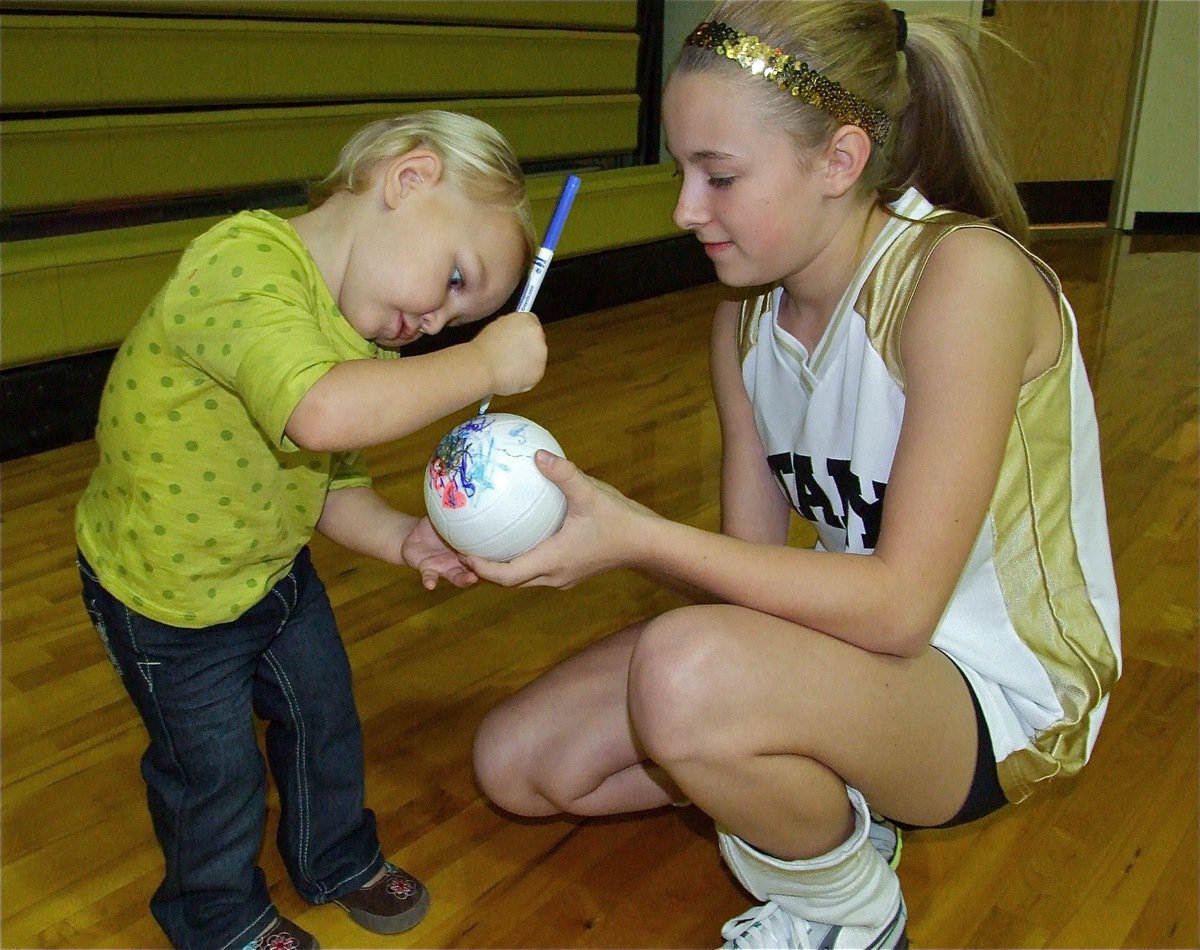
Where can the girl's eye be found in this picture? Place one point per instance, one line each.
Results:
(715, 182)
(456, 280)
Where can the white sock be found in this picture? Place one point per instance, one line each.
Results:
(851, 885)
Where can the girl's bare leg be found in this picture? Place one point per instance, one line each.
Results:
(760, 722)
(565, 743)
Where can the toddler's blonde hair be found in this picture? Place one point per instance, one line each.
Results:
(474, 156)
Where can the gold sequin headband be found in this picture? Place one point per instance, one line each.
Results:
(793, 76)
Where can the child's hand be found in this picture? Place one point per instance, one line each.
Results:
(514, 350)
(425, 551)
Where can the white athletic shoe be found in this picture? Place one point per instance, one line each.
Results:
(770, 927)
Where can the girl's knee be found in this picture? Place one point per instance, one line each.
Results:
(493, 760)
(502, 766)
(676, 667)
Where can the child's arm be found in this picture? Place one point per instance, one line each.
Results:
(365, 402)
(967, 347)
(359, 519)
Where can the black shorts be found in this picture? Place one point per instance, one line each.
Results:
(985, 795)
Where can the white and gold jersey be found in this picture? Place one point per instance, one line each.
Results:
(1033, 622)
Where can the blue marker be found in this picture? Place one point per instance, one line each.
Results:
(541, 261)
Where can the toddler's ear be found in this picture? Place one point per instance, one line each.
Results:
(408, 172)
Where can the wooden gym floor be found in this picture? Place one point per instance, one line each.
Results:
(1109, 860)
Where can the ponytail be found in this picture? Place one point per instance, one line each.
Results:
(945, 144)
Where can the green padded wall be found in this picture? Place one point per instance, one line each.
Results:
(582, 14)
(82, 292)
(60, 163)
(103, 62)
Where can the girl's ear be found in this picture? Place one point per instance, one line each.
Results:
(846, 157)
(408, 172)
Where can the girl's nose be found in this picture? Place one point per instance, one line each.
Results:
(689, 213)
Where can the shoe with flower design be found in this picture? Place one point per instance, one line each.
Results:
(283, 935)
(396, 902)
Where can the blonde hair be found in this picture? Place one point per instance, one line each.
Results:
(474, 156)
(942, 141)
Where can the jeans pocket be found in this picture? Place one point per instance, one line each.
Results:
(97, 618)
(93, 593)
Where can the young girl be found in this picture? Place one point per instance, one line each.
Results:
(228, 434)
(911, 385)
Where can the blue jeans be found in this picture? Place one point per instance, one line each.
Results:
(206, 785)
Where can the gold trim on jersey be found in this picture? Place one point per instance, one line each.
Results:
(1029, 515)
(749, 320)
(1032, 525)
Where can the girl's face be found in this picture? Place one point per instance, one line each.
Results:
(435, 259)
(745, 194)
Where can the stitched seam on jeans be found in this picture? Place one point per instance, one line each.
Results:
(239, 940)
(176, 808)
(370, 864)
(142, 665)
(85, 568)
(302, 794)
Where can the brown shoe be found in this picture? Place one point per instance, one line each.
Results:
(283, 935)
(396, 902)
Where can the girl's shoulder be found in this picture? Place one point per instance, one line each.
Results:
(960, 277)
(986, 262)
(951, 245)
(974, 249)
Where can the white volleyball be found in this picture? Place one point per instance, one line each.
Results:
(483, 492)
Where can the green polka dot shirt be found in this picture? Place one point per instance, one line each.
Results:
(200, 502)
